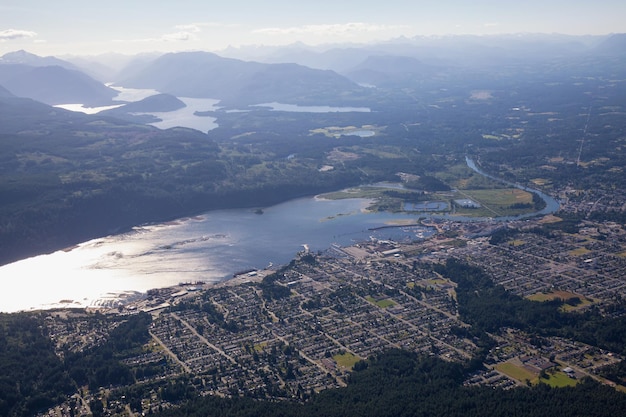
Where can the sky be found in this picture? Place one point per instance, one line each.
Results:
(92, 27)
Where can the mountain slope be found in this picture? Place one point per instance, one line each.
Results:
(50, 80)
(18, 115)
(54, 85)
(389, 70)
(614, 45)
(206, 75)
(4, 93)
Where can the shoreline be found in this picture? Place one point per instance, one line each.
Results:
(117, 298)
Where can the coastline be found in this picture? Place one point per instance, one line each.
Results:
(112, 255)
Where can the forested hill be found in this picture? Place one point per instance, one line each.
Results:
(66, 177)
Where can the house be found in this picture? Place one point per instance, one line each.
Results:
(569, 372)
(467, 203)
(537, 363)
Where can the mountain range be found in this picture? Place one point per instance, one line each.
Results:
(296, 74)
(207, 75)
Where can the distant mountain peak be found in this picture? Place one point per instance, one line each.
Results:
(18, 57)
(26, 58)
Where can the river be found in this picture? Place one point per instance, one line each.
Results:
(552, 205)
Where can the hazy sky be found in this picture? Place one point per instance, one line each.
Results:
(88, 27)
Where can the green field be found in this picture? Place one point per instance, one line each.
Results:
(500, 196)
(386, 303)
(347, 360)
(356, 192)
(563, 295)
(517, 372)
(579, 252)
(495, 202)
(260, 346)
(559, 380)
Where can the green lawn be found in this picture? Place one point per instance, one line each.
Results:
(347, 360)
(495, 201)
(579, 252)
(516, 372)
(386, 303)
(563, 295)
(559, 380)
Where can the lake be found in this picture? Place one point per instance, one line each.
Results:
(361, 133)
(186, 116)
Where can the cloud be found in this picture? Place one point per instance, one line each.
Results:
(193, 27)
(189, 32)
(13, 34)
(338, 29)
(183, 35)
(180, 36)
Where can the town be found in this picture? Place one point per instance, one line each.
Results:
(290, 332)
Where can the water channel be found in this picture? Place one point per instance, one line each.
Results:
(207, 248)
(552, 205)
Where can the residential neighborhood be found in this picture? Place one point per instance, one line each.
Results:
(292, 331)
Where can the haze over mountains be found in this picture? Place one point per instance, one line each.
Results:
(444, 50)
(203, 74)
(297, 74)
(50, 80)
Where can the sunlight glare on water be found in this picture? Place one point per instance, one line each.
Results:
(80, 276)
(209, 248)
